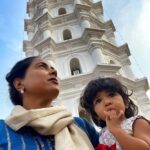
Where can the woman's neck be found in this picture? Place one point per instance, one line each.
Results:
(36, 103)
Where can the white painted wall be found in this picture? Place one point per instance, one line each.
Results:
(54, 12)
(63, 63)
(57, 34)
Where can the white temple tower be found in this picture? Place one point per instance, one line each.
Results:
(74, 35)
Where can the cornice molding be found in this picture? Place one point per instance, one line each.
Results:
(88, 33)
(99, 71)
(90, 37)
(121, 50)
(98, 6)
(136, 84)
(57, 20)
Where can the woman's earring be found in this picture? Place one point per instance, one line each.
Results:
(22, 91)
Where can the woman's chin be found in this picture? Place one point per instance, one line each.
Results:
(54, 93)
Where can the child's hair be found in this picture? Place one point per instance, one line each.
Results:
(109, 85)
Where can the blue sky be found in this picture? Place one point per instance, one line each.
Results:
(12, 13)
(131, 19)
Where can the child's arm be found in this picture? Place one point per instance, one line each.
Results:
(141, 134)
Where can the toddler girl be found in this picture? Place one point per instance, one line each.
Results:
(108, 102)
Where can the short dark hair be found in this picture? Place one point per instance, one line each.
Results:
(110, 85)
(18, 71)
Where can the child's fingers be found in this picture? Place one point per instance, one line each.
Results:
(107, 115)
(120, 114)
(112, 114)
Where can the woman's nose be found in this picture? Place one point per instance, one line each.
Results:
(53, 71)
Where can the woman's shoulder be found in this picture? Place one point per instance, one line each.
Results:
(80, 121)
(88, 128)
(21, 139)
(83, 123)
(1, 121)
(3, 133)
(2, 124)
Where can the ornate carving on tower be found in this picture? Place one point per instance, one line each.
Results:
(74, 35)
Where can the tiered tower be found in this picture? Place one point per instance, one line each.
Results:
(74, 35)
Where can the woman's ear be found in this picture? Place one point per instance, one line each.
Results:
(18, 84)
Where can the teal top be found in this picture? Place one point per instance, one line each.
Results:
(28, 139)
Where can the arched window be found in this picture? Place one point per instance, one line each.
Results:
(62, 11)
(75, 66)
(112, 62)
(67, 34)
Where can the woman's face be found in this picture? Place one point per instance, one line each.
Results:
(41, 80)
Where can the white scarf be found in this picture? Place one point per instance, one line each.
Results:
(51, 121)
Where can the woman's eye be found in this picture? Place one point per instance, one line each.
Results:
(42, 66)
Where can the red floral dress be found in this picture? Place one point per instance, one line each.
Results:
(108, 142)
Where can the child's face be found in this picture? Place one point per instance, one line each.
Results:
(108, 101)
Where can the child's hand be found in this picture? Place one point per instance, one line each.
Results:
(113, 120)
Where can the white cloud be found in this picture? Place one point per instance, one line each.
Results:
(140, 31)
(143, 24)
(137, 34)
(131, 19)
(144, 20)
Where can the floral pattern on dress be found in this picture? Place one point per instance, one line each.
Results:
(108, 142)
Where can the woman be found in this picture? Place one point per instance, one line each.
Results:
(33, 85)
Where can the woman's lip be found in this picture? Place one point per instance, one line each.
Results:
(53, 80)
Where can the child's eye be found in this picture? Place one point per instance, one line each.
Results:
(97, 101)
(112, 94)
